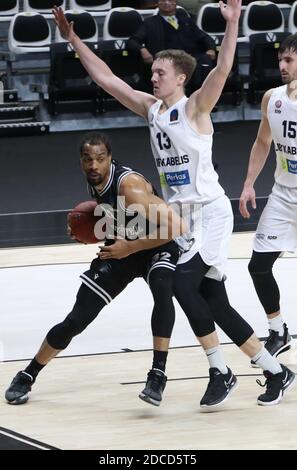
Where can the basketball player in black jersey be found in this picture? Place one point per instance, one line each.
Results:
(181, 126)
(143, 254)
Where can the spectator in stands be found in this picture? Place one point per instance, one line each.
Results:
(172, 28)
(193, 6)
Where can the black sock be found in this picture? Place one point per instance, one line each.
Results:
(34, 368)
(159, 360)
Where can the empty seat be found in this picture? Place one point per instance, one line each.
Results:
(90, 5)
(29, 32)
(84, 25)
(121, 23)
(264, 65)
(126, 3)
(210, 19)
(9, 8)
(43, 6)
(232, 93)
(70, 87)
(285, 2)
(292, 21)
(262, 17)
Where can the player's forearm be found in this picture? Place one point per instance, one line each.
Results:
(258, 157)
(147, 243)
(162, 235)
(228, 47)
(97, 69)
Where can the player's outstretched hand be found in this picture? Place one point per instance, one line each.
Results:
(66, 28)
(232, 10)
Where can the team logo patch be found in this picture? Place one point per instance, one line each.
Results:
(288, 165)
(174, 115)
(278, 105)
(119, 44)
(175, 178)
(292, 166)
(260, 236)
(271, 37)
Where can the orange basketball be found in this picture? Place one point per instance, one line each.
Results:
(82, 221)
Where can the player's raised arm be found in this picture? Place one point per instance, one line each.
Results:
(207, 96)
(136, 101)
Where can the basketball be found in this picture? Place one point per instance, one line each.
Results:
(81, 221)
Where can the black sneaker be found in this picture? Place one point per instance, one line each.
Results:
(154, 387)
(219, 388)
(276, 344)
(17, 392)
(276, 385)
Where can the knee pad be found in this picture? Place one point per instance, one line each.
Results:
(262, 263)
(161, 283)
(85, 310)
(256, 269)
(196, 309)
(260, 269)
(61, 334)
(163, 315)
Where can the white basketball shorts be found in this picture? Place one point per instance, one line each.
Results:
(277, 227)
(213, 239)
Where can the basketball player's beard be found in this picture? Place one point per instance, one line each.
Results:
(286, 79)
(95, 181)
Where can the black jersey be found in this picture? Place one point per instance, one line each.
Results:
(120, 221)
(108, 278)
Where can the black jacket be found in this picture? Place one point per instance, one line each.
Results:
(151, 34)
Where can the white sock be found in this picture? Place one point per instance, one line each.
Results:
(264, 360)
(277, 324)
(215, 359)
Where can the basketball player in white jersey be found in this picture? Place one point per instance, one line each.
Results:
(181, 139)
(277, 227)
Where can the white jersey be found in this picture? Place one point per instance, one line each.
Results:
(188, 180)
(282, 117)
(183, 157)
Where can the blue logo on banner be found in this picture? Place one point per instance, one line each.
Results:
(292, 166)
(177, 178)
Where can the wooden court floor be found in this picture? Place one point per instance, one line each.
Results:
(91, 401)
